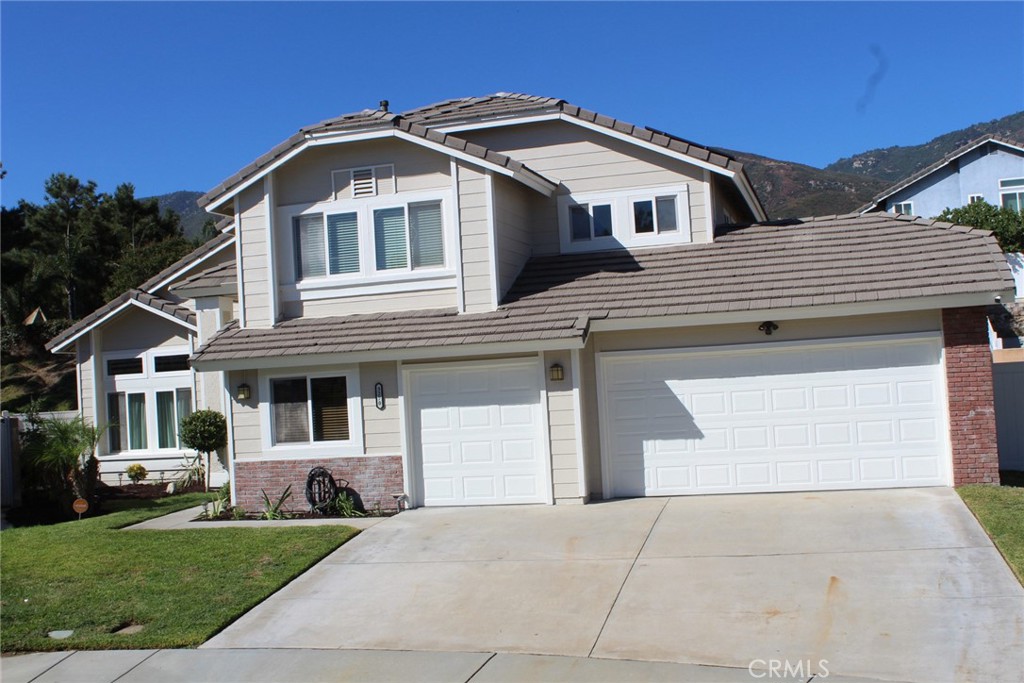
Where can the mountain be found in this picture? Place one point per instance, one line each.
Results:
(896, 163)
(184, 204)
(788, 189)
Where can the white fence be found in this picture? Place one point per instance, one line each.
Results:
(1008, 386)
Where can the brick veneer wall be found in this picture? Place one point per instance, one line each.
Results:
(972, 415)
(374, 478)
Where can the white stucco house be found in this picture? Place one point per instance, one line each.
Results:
(510, 299)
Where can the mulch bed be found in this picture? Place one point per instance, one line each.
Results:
(36, 508)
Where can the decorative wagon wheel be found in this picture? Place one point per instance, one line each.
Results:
(320, 489)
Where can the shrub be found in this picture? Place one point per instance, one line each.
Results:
(136, 472)
(61, 455)
(204, 431)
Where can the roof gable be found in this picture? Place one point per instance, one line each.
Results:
(878, 202)
(135, 297)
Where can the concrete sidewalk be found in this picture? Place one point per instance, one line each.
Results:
(365, 666)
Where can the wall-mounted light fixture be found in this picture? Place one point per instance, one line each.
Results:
(243, 392)
(768, 327)
(556, 373)
(378, 391)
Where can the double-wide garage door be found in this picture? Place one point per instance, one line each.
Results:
(786, 417)
(477, 433)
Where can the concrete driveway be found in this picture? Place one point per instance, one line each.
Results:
(895, 585)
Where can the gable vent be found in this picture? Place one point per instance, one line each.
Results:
(363, 183)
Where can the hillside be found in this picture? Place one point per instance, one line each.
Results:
(895, 163)
(788, 189)
(184, 204)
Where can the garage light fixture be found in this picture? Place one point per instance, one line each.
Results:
(768, 327)
(243, 392)
(556, 373)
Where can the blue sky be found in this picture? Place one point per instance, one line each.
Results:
(175, 96)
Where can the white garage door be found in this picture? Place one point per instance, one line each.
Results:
(814, 415)
(477, 434)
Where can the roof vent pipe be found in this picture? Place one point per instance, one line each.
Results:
(384, 105)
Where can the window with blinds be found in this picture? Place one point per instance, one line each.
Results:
(389, 238)
(343, 243)
(309, 246)
(315, 407)
(426, 235)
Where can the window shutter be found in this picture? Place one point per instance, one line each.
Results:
(309, 247)
(343, 243)
(364, 184)
(330, 408)
(288, 404)
(389, 236)
(426, 234)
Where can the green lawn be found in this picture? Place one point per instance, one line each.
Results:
(1001, 511)
(182, 586)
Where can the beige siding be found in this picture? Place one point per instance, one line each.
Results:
(381, 428)
(476, 253)
(136, 329)
(591, 423)
(86, 377)
(514, 229)
(583, 161)
(245, 416)
(789, 330)
(256, 276)
(370, 303)
(306, 179)
(565, 474)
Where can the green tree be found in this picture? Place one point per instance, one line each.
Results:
(205, 431)
(1006, 224)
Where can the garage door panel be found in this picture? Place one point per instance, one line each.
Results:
(477, 434)
(853, 422)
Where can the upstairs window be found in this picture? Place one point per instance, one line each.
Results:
(624, 218)
(320, 251)
(906, 208)
(589, 222)
(1011, 193)
(409, 234)
(975, 198)
(655, 216)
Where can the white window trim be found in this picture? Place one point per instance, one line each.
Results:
(349, 171)
(972, 198)
(908, 212)
(314, 449)
(380, 281)
(149, 383)
(623, 234)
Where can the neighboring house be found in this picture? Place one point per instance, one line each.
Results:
(133, 373)
(509, 299)
(988, 169)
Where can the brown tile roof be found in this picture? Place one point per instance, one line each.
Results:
(793, 264)
(372, 120)
(928, 170)
(163, 305)
(221, 279)
(191, 257)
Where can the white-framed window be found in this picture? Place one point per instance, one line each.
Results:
(148, 393)
(624, 218)
(1011, 193)
(312, 414)
(906, 208)
(363, 241)
(975, 198)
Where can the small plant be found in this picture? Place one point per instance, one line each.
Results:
(216, 508)
(192, 471)
(238, 512)
(346, 506)
(273, 510)
(136, 472)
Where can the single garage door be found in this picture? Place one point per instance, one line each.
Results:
(477, 434)
(775, 417)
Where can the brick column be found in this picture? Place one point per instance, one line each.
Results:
(972, 415)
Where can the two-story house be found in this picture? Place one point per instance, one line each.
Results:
(509, 299)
